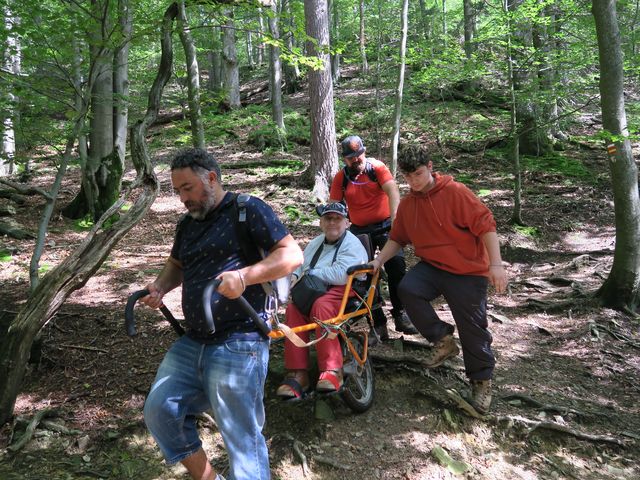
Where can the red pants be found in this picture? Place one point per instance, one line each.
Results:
(329, 351)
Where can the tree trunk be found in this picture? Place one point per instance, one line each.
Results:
(469, 22)
(324, 154)
(516, 217)
(76, 269)
(275, 77)
(400, 87)
(231, 71)
(102, 175)
(364, 66)
(12, 64)
(444, 23)
(83, 148)
(261, 32)
(215, 62)
(193, 77)
(121, 79)
(535, 138)
(335, 38)
(291, 72)
(621, 290)
(424, 20)
(249, 44)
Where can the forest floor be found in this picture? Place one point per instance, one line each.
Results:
(567, 381)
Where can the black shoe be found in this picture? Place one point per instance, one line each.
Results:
(381, 334)
(403, 324)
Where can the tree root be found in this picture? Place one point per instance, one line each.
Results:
(331, 462)
(534, 425)
(450, 396)
(37, 418)
(51, 426)
(208, 420)
(596, 328)
(297, 449)
(541, 406)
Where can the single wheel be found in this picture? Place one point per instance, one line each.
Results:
(359, 384)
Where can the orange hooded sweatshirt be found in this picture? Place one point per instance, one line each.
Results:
(445, 226)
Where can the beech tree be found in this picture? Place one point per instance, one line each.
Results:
(193, 77)
(102, 174)
(621, 290)
(230, 56)
(324, 154)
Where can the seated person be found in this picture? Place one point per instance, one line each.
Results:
(335, 250)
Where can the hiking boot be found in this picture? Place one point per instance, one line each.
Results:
(441, 351)
(481, 395)
(382, 332)
(403, 324)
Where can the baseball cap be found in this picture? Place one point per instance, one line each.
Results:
(352, 146)
(337, 207)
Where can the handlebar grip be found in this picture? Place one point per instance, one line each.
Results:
(129, 320)
(206, 302)
(246, 306)
(365, 267)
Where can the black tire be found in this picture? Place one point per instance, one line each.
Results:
(359, 383)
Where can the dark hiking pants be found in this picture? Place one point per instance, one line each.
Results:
(395, 266)
(466, 296)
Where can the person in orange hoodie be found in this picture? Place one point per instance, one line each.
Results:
(454, 235)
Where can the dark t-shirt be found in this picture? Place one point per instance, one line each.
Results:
(209, 247)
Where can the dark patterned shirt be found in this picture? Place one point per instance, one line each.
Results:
(209, 247)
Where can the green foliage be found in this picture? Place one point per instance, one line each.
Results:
(44, 268)
(559, 164)
(296, 215)
(5, 256)
(464, 178)
(531, 232)
(83, 224)
(291, 166)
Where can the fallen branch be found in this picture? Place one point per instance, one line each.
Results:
(26, 189)
(82, 347)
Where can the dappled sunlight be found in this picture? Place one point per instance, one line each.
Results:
(168, 204)
(586, 240)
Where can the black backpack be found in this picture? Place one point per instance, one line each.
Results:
(279, 288)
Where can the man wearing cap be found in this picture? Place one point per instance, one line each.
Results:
(327, 257)
(367, 187)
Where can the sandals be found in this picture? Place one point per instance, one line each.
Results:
(291, 388)
(330, 381)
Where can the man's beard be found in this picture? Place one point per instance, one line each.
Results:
(199, 210)
(355, 169)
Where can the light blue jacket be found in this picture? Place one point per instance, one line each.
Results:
(351, 253)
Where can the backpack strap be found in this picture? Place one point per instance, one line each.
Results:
(368, 169)
(239, 204)
(279, 288)
(317, 253)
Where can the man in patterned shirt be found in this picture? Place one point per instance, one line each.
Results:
(223, 370)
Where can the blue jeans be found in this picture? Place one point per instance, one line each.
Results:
(227, 378)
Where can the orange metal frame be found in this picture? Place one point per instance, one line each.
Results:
(343, 317)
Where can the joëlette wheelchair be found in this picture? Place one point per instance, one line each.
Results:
(352, 324)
